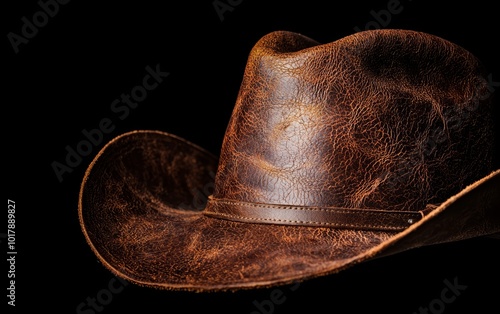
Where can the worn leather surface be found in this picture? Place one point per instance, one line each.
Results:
(130, 218)
(332, 217)
(387, 120)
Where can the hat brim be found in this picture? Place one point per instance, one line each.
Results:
(140, 209)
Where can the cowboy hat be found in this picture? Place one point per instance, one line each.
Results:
(335, 154)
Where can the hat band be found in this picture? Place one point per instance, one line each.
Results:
(333, 217)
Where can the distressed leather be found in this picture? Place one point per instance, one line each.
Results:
(385, 120)
(332, 217)
(388, 120)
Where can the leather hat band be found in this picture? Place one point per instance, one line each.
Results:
(333, 217)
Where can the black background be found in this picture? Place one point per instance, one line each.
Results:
(65, 78)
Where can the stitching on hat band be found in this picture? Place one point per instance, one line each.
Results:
(332, 217)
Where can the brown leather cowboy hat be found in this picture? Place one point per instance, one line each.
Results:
(335, 154)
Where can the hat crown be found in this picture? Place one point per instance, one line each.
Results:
(385, 119)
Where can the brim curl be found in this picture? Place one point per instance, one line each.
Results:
(140, 210)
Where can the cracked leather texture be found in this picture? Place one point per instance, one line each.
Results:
(387, 120)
